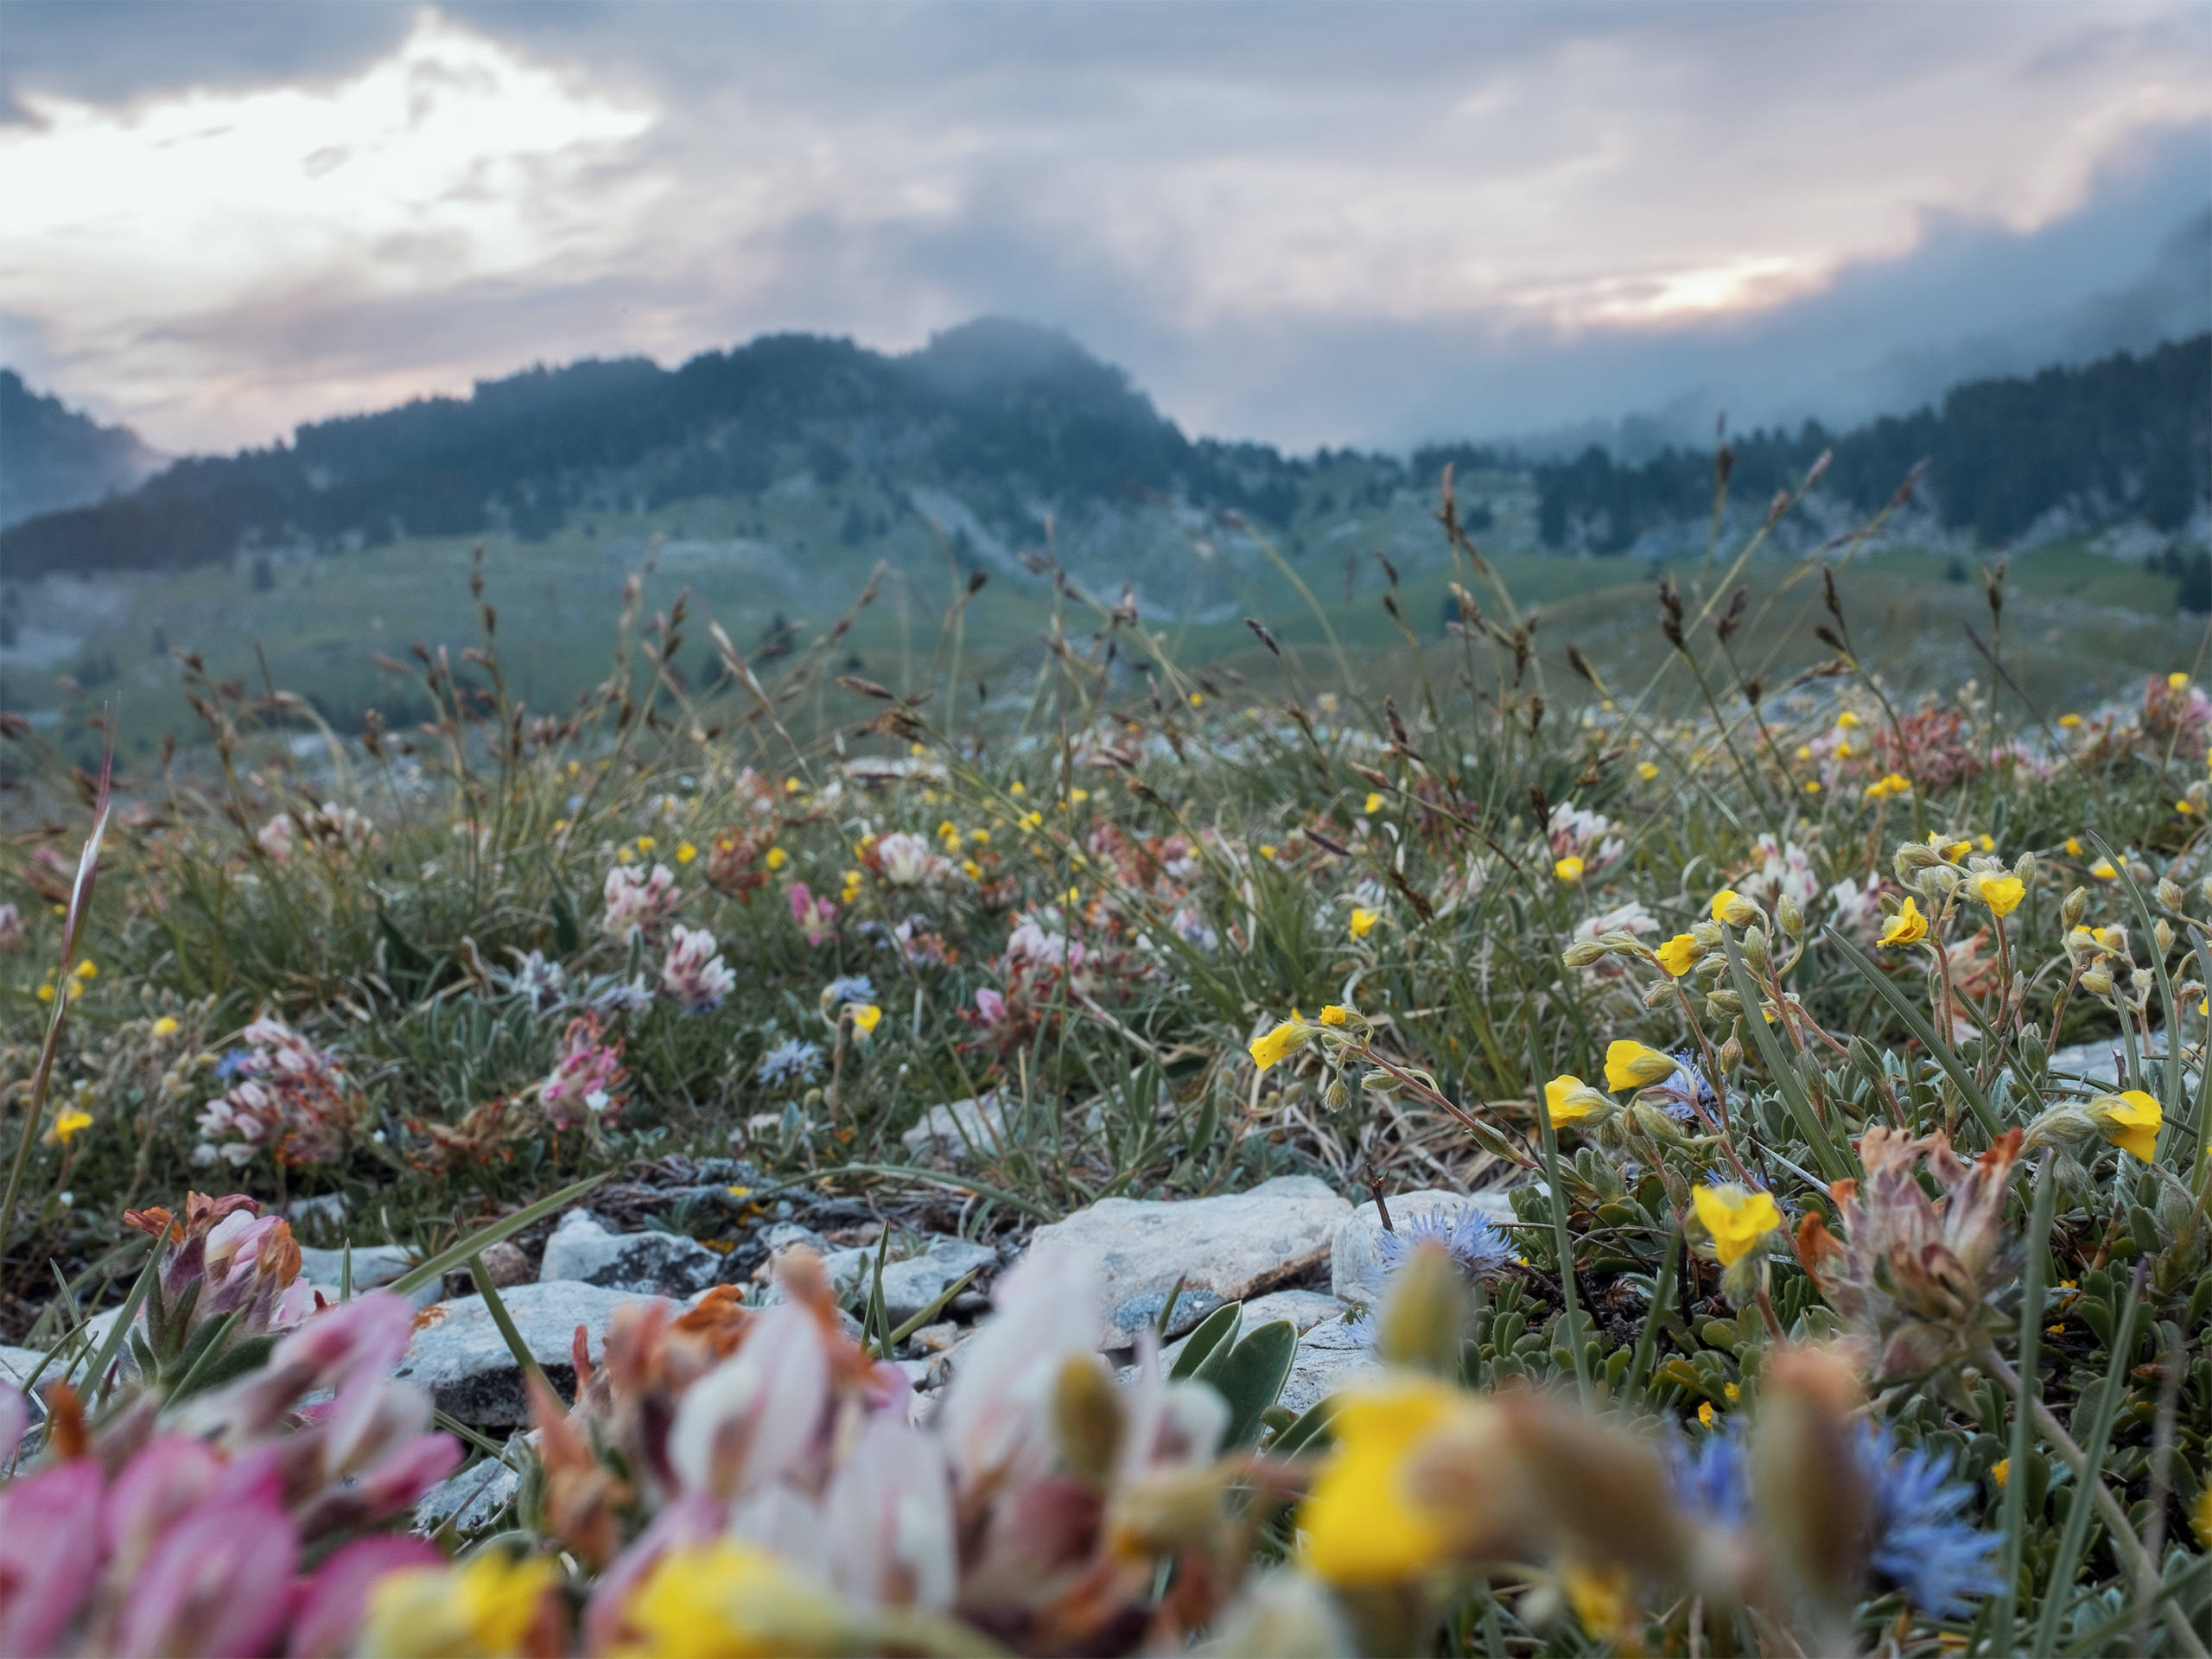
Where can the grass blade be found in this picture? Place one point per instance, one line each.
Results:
(429, 1272)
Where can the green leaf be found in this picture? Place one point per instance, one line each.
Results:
(1901, 1005)
(1311, 1431)
(1216, 1330)
(567, 937)
(120, 1330)
(1252, 1377)
(1833, 1163)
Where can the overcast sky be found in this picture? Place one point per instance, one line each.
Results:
(1308, 224)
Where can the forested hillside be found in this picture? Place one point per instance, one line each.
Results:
(1022, 425)
(52, 457)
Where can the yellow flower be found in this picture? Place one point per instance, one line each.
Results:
(1266, 850)
(792, 786)
(2176, 682)
(866, 1017)
(1374, 801)
(1843, 750)
(1949, 851)
(728, 1600)
(1198, 699)
(486, 1605)
(1017, 787)
(646, 844)
(2129, 1119)
(2073, 847)
(1908, 927)
(67, 1125)
(2201, 1516)
(1567, 1099)
(86, 969)
(685, 852)
(1812, 786)
(1601, 1602)
(1645, 770)
(1735, 1218)
(1705, 1412)
(1848, 720)
(1078, 796)
(46, 993)
(166, 1026)
(624, 856)
(1365, 1520)
(2103, 871)
(777, 858)
(1722, 901)
(2001, 1471)
(1883, 788)
(1286, 1039)
(1362, 922)
(2002, 893)
(1632, 1065)
(1679, 954)
(1568, 869)
(1336, 1014)
(971, 869)
(2069, 722)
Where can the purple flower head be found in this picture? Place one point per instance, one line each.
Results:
(1920, 1544)
(1470, 1238)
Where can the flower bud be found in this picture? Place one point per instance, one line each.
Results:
(2024, 870)
(2077, 905)
(2162, 935)
(2097, 982)
(1731, 1053)
(1940, 882)
(1655, 1122)
(2169, 893)
(1724, 1004)
(1583, 953)
(1791, 915)
(2033, 1050)
(1755, 951)
(1738, 912)
(1336, 1097)
(1087, 1417)
(1422, 1318)
(2065, 1125)
(1912, 858)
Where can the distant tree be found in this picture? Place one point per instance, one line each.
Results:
(2169, 493)
(264, 574)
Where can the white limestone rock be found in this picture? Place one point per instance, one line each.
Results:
(584, 1250)
(911, 1285)
(459, 1355)
(1224, 1250)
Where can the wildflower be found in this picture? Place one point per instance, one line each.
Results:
(277, 838)
(1367, 1521)
(2176, 682)
(1918, 1543)
(775, 858)
(1893, 783)
(866, 1018)
(1916, 1279)
(67, 1125)
(906, 861)
(2073, 847)
(815, 917)
(1568, 869)
(1363, 920)
(1646, 769)
(1567, 1099)
(1737, 1218)
(489, 1605)
(1373, 802)
(86, 969)
(535, 979)
(2129, 1119)
(1335, 1014)
(850, 988)
(1908, 927)
(639, 903)
(2002, 1472)
(1630, 1065)
(1705, 1412)
(2002, 893)
(695, 974)
(585, 1074)
(1286, 1039)
(1679, 954)
(12, 931)
(166, 1026)
(1732, 908)
(2200, 1518)
(1601, 1600)
(1847, 720)
(289, 1097)
(1470, 1238)
(685, 852)
(729, 1599)
(2103, 871)
(789, 1061)
(1951, 850)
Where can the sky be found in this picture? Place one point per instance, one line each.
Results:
(1371, 224)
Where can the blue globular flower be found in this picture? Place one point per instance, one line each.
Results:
(1685, 1094)
(1919, 1544)
(1471, 1238)
(852, 987)
(789, 1061)
(231, 1064)
(1712, 1477)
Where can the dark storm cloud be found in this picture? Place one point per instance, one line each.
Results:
(1306, 223)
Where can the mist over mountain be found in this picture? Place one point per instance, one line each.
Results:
(52, 457)
(1000, 434)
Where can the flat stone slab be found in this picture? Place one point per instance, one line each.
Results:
(17, 1364)
(1225, 1249)
(1355, 1270)
(375, 1266)
(471, 1500)
(585, 1250)
(459, 1355)
(911, 1286)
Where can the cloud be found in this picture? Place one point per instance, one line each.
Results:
(1301, 222)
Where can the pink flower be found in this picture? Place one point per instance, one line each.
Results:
(586, 1072)
(817, 918)
(754, 1417)
(49, 1553)
(638, 903)
(991, 1004)
(12, 931)
(889, 1510)
(279, 838)
(291, 1098)
(327, 1609)
(219, 1581)
(695, 974)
